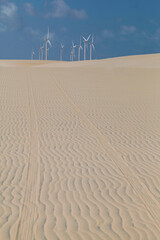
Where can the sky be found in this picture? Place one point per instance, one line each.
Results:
(120, 27)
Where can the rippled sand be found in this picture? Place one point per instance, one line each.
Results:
(80, 149)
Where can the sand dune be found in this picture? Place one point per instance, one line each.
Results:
(80, 149)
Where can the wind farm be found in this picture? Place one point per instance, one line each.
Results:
(73, 55)
(79, 120)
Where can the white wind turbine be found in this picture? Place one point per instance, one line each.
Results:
(79, 50)
(47, 42)
(85, 45)
(61, 52)
(73, 51)
(92, 47)
(33, 53)
(41, 52)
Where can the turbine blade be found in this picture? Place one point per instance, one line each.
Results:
(49, 43)
(88, 37)
(84, 39)
(48, 33)
(92, 38)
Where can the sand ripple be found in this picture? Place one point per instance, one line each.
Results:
(80, 154)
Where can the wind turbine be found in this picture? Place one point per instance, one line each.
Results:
(79, 50)
(61, 52)
(85, 45)
(41, 51)
(73, 51)
(47, 42)
(92, 47)
(33, 53)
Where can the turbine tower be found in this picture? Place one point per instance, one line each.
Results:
(73, 51)
(92, 47)
(33, 53)
(71, 55)
(61, 52)
(79, 50)
(47, 42)
(85, 45)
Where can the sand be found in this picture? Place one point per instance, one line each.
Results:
(80, 149)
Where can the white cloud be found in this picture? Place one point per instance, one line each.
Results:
(29, 9)
(8, 10)
(9, 16)
(60, 9)
(106, 33)
(126, 30)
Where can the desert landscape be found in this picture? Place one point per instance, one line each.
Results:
(80, 149)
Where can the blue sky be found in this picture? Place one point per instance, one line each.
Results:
(121, 27)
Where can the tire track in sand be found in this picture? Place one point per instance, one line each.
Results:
(147, 199)
(28, 213)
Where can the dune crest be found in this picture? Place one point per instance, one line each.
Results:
(80, 149)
